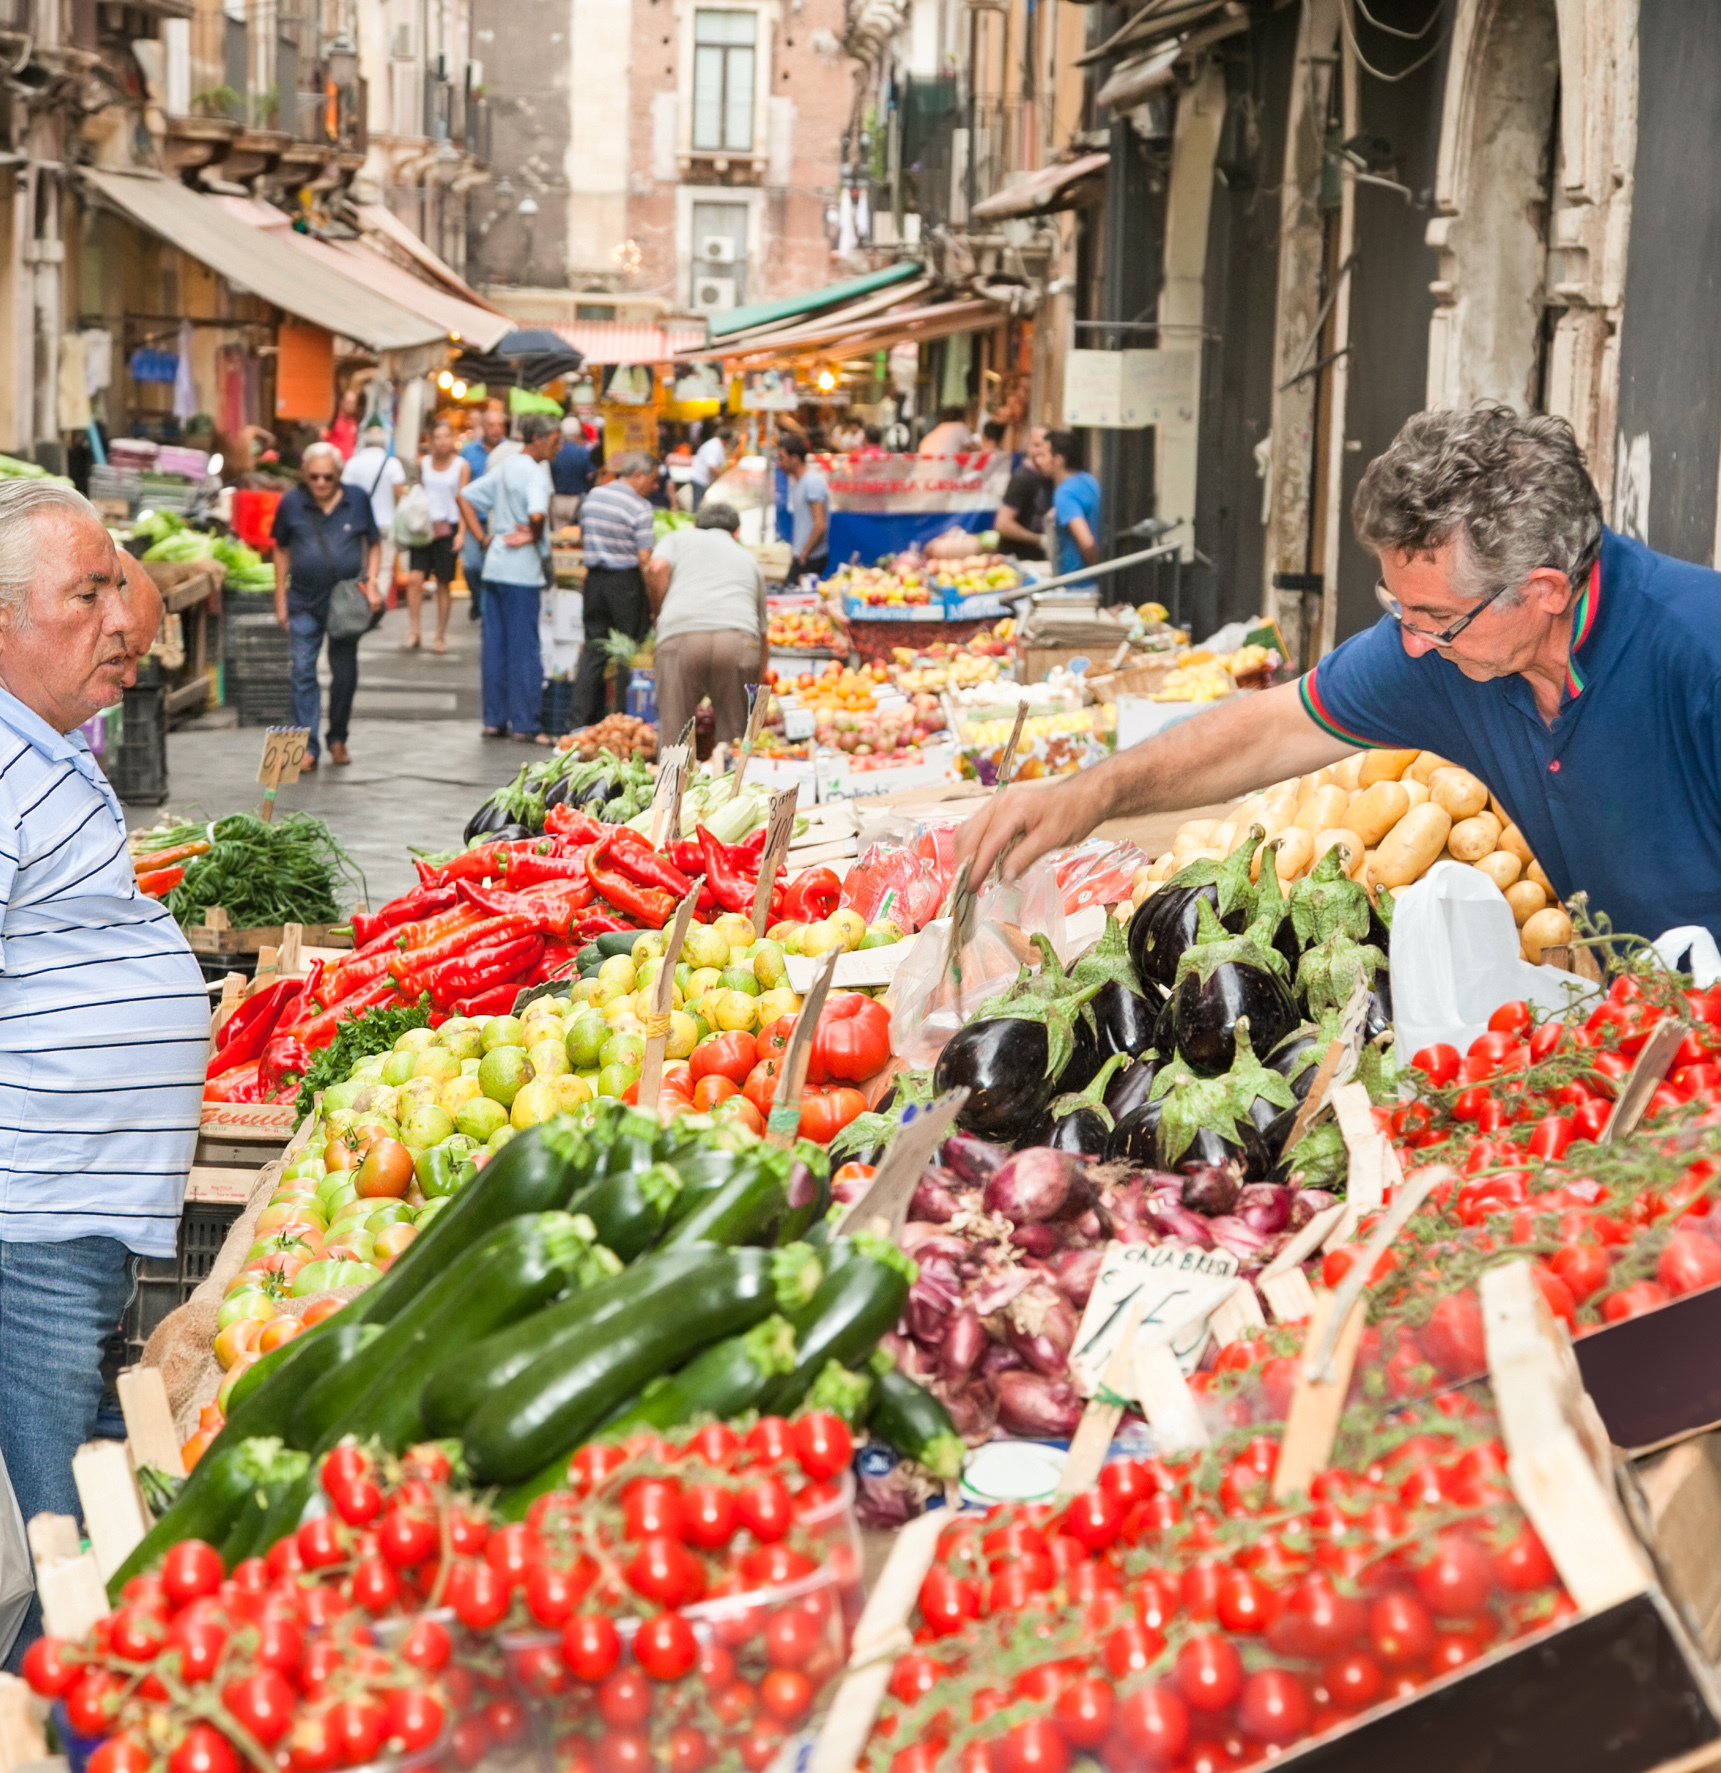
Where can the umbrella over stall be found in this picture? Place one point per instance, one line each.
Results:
(528, 357)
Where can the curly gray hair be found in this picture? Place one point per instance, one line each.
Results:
(1511, 492)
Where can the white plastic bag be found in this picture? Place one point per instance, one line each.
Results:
(1455, 960)
(413, 526)
(1691, 949)
(924, 1012)
(17, 1575)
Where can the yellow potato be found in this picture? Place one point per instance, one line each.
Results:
(1545, 929)
(1347, 771)
(1296, 851)
(1513, 839)
(1473, 838)
(1373, 811)
(1533, 871)
(1501, 867)
(1412, 846)
(1526, 898)
(1164, 868)
(1323, 809)
(1462, 794)
(1366, 876)
(1224, 838)
(1425, 764)
(1337, 835)
(1385, 766)
(1319, 778)
(1497, 810)
(1418, 791)
(1194, 835)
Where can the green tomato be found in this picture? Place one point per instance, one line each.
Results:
(394, 1212)
(310, 1168)
(324, 1277)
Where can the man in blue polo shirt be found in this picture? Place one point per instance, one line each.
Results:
(1573, 670)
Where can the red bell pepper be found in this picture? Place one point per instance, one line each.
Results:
(283, 1056)
(753, 844)
(497, 1001)
(811, 895)
(238, 1085)
(633, 855)
(651, 906)
(419, 903)
(482, 969)
(563, 820)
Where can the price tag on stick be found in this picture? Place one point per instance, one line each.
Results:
(783, 1125)
(651, 1067)
(1653, 1059)
(758, 700)
(1337, 1068)
(779, 832)
(283, 757)
(1007, 762)
(686, 739)
(961, 907)
(1317, 1403)
(666, 800)
(918, 1135)
(1103, 1412)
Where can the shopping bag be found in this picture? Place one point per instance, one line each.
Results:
(17, 1576)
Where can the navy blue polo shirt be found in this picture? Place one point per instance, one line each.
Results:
(322, 547)
(1621, 795)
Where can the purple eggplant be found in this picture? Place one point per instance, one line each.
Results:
(1221, 980)
(1123, 1014)
(1080, 1122)
(1166, 922)
(1210, 1147)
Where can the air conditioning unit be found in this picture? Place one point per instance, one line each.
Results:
(402, 43)
(713, 292)
(717, 249)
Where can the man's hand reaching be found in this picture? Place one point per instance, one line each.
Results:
(1043, 815)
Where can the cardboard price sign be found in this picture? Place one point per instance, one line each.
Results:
(783, 1124)
(919, 1133)
(284, 750)
(758, 700)
(651, 1067)
(1177, 1286)
(779, 832)
(666, 799)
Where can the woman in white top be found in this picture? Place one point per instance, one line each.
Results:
(443, 474)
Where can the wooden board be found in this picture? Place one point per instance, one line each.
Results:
(214, 939)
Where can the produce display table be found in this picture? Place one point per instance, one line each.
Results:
(876, 639)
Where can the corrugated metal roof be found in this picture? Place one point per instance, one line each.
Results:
(789, 307)
(628, 341)
(253, 259)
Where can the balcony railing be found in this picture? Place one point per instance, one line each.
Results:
(956, 154)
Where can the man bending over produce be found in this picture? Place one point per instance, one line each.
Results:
(1574, 670)
(104, 1020)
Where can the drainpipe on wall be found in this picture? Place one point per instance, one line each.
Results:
(1332, 493)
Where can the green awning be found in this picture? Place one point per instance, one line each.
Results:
(733, 320)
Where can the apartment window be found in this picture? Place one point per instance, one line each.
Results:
(594, 311)
(723, 55)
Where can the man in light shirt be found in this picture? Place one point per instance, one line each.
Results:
(376, 474)
(710, 460)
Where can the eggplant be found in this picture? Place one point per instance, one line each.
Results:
(1211, 1120)
(1010, 1058)
(556, 793)
(1273, 909)
(1080, 1121)
(1134, 1112)
(1328, 973)
(1220, 980)
(1052, 982)
(1121, 1012)
(511, 833)
(1210, 1148)
(1131, 1086)
(1326, 902)
(1166, 923)
(1377, 1019)
(491, 816)
(598, 791)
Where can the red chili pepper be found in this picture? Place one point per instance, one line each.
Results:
(154, 861)
(239, 1085)
(482, 969)
(163, 880)
(498, 1001)
(265, 1005)
(488, 860)
(320, 1030)
(686, 857)
(633, 855)
(356, 976)
(753, 844)
(651, 906)
(246, 1042)
(412, 970)
(563, 820)
(811, 895)
(528, 871)
(408, 908)
(729, 883)
(591, 924)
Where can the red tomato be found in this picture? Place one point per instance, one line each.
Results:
(1471, 1104)
(427, 1646)
(1084, 1712)
(739, 1108)
(766, 1509)
(914, 1677)
(651, 1506)
(1209, 1672)
(824, 1113)
(1438, 1063)
(1036, 1746)
(1244, 1604)
(1550, 1136)
(1095, 1518)
(1352, 1680)
(139, 1634)
(1273, 1706)
(1154, 1722)
(1453, 1338)
(190, 1569)
(730, 1055)
(1522, 1564)
(1689, 1263)
(1317, 1620)
(91, 1701)
(1337, 1263)
(1583, 1267)
(688, 1749)
(592, 1464)
(852, 1040)
(786, 1694)
(1545, 1040)
(624, 1699)
(414, 1718)
(591, 1646)
(665, 1647)
(1557, 1295)
(51, 1669)
(708, 1516)
(406, 1538)
(768, 1439)
(1456, 1577)
(665, 1571)
(822, 1442)
(119, 1754)
(1511, 1018)
(761, 1086)
(947, 1600)
(1132, 1648)
(1400, 1630)
(1590, 1118)
(261, 1703)
(478, 1594)
(200, 1641)
(711, 1089)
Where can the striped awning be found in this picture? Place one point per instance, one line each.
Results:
(627, 341)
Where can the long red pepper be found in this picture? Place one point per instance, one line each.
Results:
(420, 903)
(566, 821)
(651, 906)
(482, 969)
(732, 887)
(534, 870)
(414, 968)
(320, 1030)
(633, 855)
(267, 1003)
(497, 1001)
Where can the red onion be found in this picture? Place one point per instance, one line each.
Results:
(1032, 1185)
(1037, 1240)
(1039, 1408)
(964, 1343)
(1265, 1207)
(1170, 1219)
(1211, 1190)
(933, 1200)
(802, 1187)
(1136, 1234)
(971, 1160)
(1124, 1204)
(999, 1357)
(972, 1409)
(1077, 1271)
(1236, 1235)
(1306, 1203)
(934, 1240)
(1041, 1328)
(936, 1293)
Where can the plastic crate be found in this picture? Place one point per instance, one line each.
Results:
(164, 1283)
(253, 642)
(137, 766)
(556, 710)
(261, 701)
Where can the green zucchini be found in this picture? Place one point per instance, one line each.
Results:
(552, 1407)
(459, 1384)
(860, 1299)
(613, 942)
(910, 1419)
(206, 1511)
(627, 1139)
(628, 1207)
(334, 1394)
(847, 1394)
(745, 1210)
(726, 1379)
(519, 1267)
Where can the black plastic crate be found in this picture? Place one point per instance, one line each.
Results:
(258, 638)
(556, 711)
(261, 701)
(137, 766)
(165, 1282)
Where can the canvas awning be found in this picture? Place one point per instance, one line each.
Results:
(382, 224)
(254, 259)
(461, 321)
(1039, 193)
(874, 332)
(756, 314)
(631, 341)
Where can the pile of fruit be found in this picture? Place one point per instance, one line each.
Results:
(835, 689)
(620, 734)
(960, 671)
(892, 735)
(794, 630)
(909, 579)
(1049, 745)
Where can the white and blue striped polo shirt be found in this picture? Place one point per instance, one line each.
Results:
(104, 1018)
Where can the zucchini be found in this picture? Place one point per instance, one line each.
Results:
(908, 1418)
(627, 1138)
(746, 1210)
(561, 1398)
(334, 1394)
(628, 1208)
(519, 1267)
(460, 1384)
(207, 1511)
(614, 942)
(846, 1394)
(860, 1299)
(726, 1379)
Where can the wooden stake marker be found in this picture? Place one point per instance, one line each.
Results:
(666, 799)
(1238, 1317)
(758, 700)
(113, 1506)
(1166, 1400)
(1312, 1423)
(651, 1067)
(1007, 762)
(1645, 1076)
(783, 1124)
(1104, 1411)
(779, 833)
(150, 1438)
(284, 750)
(960, 907)
(1338, 1067)
(884, 1206)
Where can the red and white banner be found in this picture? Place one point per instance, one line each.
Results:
(902, 485)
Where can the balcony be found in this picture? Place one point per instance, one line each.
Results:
(955, 151)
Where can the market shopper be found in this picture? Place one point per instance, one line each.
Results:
(104, 1019)
(1021, 518)
(443, 474)
(711, 461)
(571, 466)
(377, 473)
(709, 597)
(617, 535)
(950, 436)
(476, 454)
(325, 535)
(1074, 518)
(809, 508)
(1572, 669)
(507, 510)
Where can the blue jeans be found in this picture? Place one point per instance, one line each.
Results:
(306, 631)
(472, 565)
(58, 1304)
(513, 667)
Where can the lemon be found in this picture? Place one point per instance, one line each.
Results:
(569, 1091)
(705, 947)
(415, 1040)
(618, 966)
(549, 1058)
(456, 1093)
(851, 924)
(819, 938)
(683, 1033)
(736, 930)
(781, 1002)
(650, 946)
(769, 967)
(734, 1010)
(700, 981)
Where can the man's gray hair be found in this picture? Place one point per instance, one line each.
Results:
(375, 434)
(633, 461)
(21, 503)
(714, 514)
(536, 425)
(322, 447)
(1512, 493)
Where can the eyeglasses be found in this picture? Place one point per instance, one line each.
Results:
(1446, 636)
(319, 476)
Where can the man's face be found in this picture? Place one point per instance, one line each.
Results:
(643, 482)
(1038, 459)
(494, 425)
(1502, 641)
(78, 643)
(788, 463)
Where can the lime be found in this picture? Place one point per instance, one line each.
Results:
(586, 1036)
(504, 1071)
(623, 1049)
(614, 1079)
(479, 1118)
(738, 978)
(769, 966)
(500, 1031)
(429, 1125)
(649, 946)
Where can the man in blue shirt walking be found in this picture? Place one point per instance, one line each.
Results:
(1075, 503)
(1572, 669)
(492, 429)
(507, 510)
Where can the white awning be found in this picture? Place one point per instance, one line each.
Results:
(253, 259)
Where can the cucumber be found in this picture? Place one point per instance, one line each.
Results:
(726, 1379)
(628, 1208)
(614, 942)
(556, 1403)
(860, 1299)
(207, 1511)
(519, 1267)
(908, 1418)
(746, 1210)
(460, 1384)
(334, 1394)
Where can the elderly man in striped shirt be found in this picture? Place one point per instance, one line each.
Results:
(616, 539)
(104, 1019)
